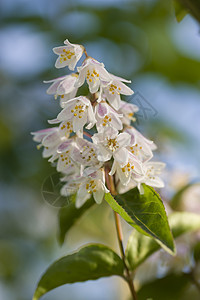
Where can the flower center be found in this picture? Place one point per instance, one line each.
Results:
(106, 120)
(67, 126)
(114, 89)
(91, 187)
(65, 158)
(78, 110)
(88, 154)
(66, 55)
(112, 144)
(128, 168)
(135, 149)
(92, 75)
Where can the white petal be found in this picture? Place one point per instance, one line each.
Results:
(82, 196)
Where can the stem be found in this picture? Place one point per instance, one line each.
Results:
(120, 241)
(128, 277)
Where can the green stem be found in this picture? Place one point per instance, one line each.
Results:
(128, 277)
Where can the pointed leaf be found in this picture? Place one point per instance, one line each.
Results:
(140, 247)
(146, 213)
(89, 263)
(68, 215)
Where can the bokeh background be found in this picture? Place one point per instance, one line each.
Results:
(136, 39)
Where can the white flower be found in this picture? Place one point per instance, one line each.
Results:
(94, 72)
(110, 143)
(85, 153)
(126, 171)
(128, 110)
(114, 88)
(151, 172)
(79, 111)
(92, 184)
(106, 116)
(140, 146)
(63, 87)
(69, 55)
(65, 162)
(50, 139)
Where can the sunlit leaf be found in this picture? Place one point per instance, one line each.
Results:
(90, 263)
(140, 247)
(146, 213)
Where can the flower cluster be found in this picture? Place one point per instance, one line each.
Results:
(114, 149)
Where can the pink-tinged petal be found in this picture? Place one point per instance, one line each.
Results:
(124, 139)
(40, 134)
(82, 196)
(102, 109)
(121, 156)
(84, 100)
(66, 86)
(54, 121)
(51, 139)
(64, 146)
(52, 90)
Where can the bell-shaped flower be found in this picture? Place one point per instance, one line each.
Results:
(50, 139)
(112, 90)
(78, 110)
(106, 116)
(150, 177)
(93, 183)
(63, 87)
(94, 72)
(69, 55)
(85, 153)
(110, 143)
(126, 171)
(65, 163)
(140, 146)
(127, 110)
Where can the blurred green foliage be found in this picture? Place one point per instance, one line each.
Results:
(134, 39)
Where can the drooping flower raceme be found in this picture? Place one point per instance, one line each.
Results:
(93, 135)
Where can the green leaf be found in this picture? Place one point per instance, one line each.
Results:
(180, 11)
(146, 213)
(140, 247)
(89, 263)
(171, 287)
(68, 215)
